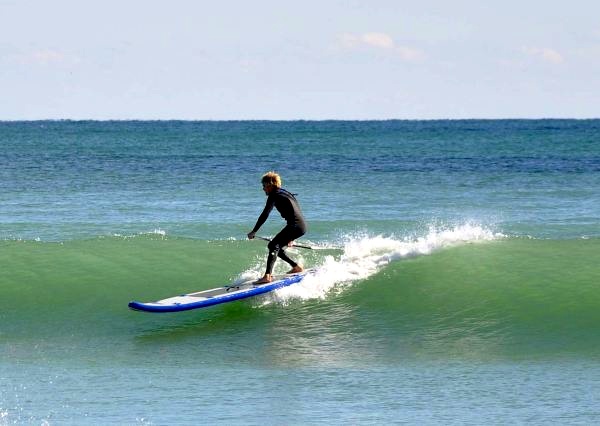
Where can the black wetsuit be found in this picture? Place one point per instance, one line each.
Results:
(287, 205)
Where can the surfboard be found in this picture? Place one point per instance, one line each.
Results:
(215, 296)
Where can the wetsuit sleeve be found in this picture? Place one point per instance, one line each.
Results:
(265, 214)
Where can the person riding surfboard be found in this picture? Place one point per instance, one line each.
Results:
(287, 205)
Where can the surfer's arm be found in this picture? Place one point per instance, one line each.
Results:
(262, 218)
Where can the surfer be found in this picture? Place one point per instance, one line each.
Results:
(285, 202)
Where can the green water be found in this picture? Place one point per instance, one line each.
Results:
(510, 297)
(508, 325)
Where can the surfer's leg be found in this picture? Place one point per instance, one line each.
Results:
(287, 235)
(295, 267)
(283, 256)
(274, 249)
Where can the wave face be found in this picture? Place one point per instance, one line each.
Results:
(465, 291)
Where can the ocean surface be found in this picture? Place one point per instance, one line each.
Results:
(458, 273)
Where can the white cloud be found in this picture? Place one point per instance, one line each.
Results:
(45, 57)
(409, 54)
(545, 53)
(380, 41)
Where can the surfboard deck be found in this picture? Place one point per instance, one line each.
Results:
(215, 296)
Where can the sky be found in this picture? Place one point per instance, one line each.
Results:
(299, 60)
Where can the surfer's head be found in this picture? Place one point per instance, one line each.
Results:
(271, 180)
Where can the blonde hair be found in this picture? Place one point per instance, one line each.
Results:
(271, 178)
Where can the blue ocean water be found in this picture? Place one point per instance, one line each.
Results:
(458, 275)
(63, 180)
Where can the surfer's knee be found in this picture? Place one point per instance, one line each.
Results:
(273, 247)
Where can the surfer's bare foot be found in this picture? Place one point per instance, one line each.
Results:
(296, 269)
(264, 280)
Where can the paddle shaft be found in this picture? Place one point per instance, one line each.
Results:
(295, 245)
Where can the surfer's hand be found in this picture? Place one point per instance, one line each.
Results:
(291, 243)
(251, 235)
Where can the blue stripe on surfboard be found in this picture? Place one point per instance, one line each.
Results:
(215, 300)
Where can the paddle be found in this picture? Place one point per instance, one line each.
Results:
(294, 245)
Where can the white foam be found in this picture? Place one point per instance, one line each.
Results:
(364, 256)
(156, 231)
(159, 231)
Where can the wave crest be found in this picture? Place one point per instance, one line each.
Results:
(364, 256)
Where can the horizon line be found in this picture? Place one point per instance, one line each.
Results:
(25, 120)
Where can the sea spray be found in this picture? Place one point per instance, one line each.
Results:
(364, 256)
